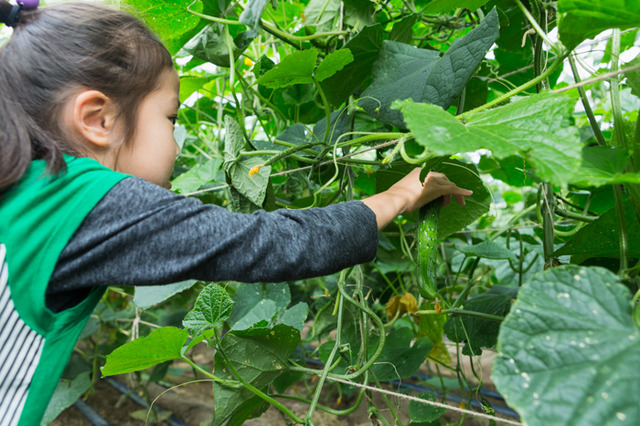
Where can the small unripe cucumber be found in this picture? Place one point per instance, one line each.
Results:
(429, 216)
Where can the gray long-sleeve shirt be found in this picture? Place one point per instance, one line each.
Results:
(141, 234)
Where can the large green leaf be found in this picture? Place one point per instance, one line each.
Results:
(162, 344)
(249, 296)
(401, 356)
(364, 47)
(600, 238)
(406, 72)
(582, 19)
(252, 13)
(489, 250)
(569, 350)
(478, 333)
(213, 306)
(253, 186)
(211, 44)
(457, 216)
(169, 19)
(399, 73)
(333, 63)
(259, 355)
(323, 14)
(197, 176)
(604, 165)
(451, 73)
(67, 392)
(539, 128)
(297, 68)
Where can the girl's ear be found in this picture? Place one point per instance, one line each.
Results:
(93, 116)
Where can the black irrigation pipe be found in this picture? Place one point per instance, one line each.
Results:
(91, 414)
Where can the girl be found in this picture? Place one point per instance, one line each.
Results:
(88, 98)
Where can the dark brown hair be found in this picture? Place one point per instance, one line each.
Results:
(58, 49)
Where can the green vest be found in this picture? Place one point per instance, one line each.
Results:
(38, 217)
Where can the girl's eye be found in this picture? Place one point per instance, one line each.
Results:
(173, 120)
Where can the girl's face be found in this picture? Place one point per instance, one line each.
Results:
(152, 152)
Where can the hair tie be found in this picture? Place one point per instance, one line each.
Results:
(29, 4)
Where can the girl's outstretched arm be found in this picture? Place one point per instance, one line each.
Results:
(409, 194)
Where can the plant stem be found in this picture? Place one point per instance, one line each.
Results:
(327, 366)
(258, 392)
(585, 103)
(541, 33)
(454, 312)
(618, 129)
(327, 109)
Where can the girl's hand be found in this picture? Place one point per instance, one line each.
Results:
(409, 194)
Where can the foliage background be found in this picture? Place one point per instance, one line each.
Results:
(294, 104)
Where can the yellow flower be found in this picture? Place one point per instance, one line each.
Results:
(254, 170)
(248, 62)
(438, 307)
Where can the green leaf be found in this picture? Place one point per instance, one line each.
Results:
(169, 19)
(297, 68)
(333, 63)
(600, 238)
(569, 350)
(252, 13)
(233, 141)
(424, 412)
(633, 77)
(213, 306)
(211, 44)
(295, 316)
(400, 357)
(446, 6)
(148, 295)
(488, 250)
(539, 128)
(66, 394)
(478, 333)
(399, 73)
(197, 176)
(582, 19)
(364, 47)
(265, 311)
(405, 72)
(323, 14)
(402, 30)
(604, 165)
(249, 296)
(259, 355)
(457, 216)
(452, 72)
(253, 187)
(162, 344)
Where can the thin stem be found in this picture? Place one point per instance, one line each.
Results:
(537, 27)
(585, 103)
(461, 312)
(327, 366)
(327, 109)
(258, 392)
(622, 230)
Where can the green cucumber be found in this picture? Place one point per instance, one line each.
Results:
(429, 216)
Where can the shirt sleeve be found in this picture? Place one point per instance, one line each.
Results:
(142, 234)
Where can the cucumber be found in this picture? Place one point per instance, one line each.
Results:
(429, 216)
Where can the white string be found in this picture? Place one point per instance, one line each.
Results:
(424, 401)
